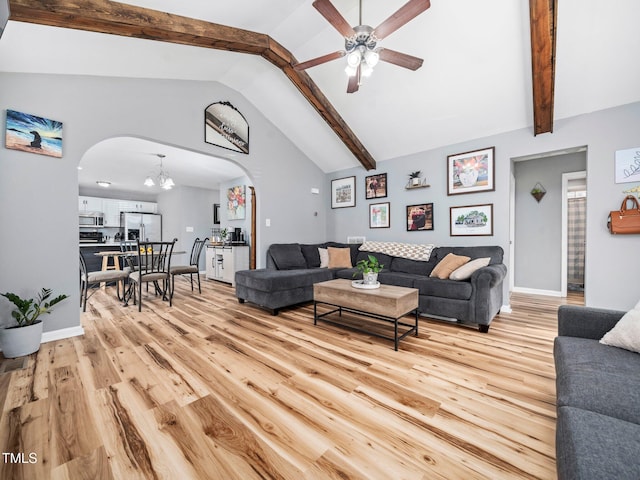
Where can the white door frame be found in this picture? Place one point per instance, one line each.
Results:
(566, 177)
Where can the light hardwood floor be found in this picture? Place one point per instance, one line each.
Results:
(212, 389)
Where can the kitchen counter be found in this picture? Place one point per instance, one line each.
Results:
(105, 244)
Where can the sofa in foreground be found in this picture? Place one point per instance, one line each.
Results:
(292, 269)
(598, 399)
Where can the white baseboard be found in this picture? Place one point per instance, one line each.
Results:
(62, 333)
(506, 309)
(536, 291)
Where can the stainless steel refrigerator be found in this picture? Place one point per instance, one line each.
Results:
(145, 226)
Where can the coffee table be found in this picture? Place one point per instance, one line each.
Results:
(388, 303)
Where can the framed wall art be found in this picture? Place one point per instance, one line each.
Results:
(236, 203)
(226, 127)
(420, 217)
(343, 192)
(375, 186)
(471, 220)
(628, 165)
(379, 214)
(216, 214)
(471, 172)
(33, 134)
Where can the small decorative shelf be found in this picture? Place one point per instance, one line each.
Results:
(422, 184)
(538, 191)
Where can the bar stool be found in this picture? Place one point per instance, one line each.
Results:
(115, 257)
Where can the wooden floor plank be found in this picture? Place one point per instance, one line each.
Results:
(214, 389)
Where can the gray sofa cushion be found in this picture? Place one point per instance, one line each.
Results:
(287, 256)
(597, 377)
(415, 267)
(383, 259)
(451, 289)
(269, 280)
(596, 447)
(397, 278)
(311, 254)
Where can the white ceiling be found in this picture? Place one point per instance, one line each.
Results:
(475, 81)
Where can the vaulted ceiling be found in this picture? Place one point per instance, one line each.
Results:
(480, 76)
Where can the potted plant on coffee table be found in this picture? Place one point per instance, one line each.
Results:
(369, 267)
(25, 337)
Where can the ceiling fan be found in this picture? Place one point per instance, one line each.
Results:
(361, 42)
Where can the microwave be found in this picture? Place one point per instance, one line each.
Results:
(91, 219)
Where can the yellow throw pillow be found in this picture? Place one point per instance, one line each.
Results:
(339, 257)
(447, 265)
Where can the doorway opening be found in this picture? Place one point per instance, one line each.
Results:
(574, 216)
(541, 227)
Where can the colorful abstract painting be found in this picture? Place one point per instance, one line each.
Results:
(236, 203)
(33, 134)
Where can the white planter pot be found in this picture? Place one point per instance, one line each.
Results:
(415, 181)
(370, 278)
(21, 341)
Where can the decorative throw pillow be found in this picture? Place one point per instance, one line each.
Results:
(626, 333)
(324, 257)
(287, 256)
(447, 265)
(465, 271)
(339, 257)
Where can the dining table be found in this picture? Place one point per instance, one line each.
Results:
(115, 255)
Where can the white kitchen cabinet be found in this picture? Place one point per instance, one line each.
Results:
(224, 261)
(111, 207)
(89, 204)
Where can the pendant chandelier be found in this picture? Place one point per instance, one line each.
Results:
(163, 178)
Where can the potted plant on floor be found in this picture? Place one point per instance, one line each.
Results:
(25, 337)
(369, 267)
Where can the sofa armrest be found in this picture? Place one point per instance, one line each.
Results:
(491, 274)
(586, 322)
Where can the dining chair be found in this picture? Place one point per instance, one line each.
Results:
(88, 279)
(193, 268)
(151, 264)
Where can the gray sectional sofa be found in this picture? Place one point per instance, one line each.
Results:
(598, 399)
(292, 269)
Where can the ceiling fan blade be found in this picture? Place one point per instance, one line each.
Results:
(354, 82)
(319, 60)
(405, 14)
(400, 59)
(333, 16)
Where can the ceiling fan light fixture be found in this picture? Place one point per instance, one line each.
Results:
(354, 59)
(351, 71)
(371, 57)
(149, 182)
(365, 69)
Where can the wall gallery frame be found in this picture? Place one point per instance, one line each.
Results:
(343, 192)
(33, 134)
(236, 203)
(375, 186)
(471, 172)
(628, 165)
(471, 220)
(379, 215)
(420, 217)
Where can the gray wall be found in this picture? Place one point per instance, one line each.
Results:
(610, 276)
(183, 207)
(538, 226)
(38, 194)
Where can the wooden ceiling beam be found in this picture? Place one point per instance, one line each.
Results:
(543, 19)
(103, 16)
